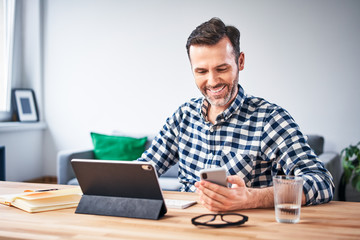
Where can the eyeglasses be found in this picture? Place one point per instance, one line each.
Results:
(224, 220)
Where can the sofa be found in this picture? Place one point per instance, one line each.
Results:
(168, 181)
(65, 174)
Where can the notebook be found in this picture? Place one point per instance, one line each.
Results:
(119, 188)
(43, 200)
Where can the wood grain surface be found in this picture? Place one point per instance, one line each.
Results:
(334, 220)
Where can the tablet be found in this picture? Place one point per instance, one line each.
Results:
(125, 180)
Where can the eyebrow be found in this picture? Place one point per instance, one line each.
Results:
(199, 69)
(219, 66)
(222, 65)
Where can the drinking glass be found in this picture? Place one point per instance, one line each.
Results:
(287, 198)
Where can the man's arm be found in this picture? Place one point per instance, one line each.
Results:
(283, 144)
(217, 198)
(163, 152)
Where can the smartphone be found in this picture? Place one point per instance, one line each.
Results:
(214, 175)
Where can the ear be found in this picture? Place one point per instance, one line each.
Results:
(241, 61)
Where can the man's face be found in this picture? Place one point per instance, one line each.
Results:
(216, 72)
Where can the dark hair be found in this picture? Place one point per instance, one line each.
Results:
(211, 32)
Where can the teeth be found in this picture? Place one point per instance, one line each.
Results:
(216, 91)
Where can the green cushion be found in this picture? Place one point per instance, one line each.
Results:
(108, 147)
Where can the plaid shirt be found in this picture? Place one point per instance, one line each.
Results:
(251, 138)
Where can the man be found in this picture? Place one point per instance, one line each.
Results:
(248, 136)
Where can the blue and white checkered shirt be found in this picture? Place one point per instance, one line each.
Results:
(252, 138)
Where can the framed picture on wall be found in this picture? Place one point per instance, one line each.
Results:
(24, 104)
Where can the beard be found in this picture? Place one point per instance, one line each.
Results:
(224, 99)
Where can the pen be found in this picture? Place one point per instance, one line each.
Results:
(42, 190)
(45, 190)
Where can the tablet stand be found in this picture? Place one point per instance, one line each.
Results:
(121, 207)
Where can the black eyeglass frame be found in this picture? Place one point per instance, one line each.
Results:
(216, 225)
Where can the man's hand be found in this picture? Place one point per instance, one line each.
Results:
(218, 198)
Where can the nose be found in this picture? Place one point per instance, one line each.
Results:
(212, 78)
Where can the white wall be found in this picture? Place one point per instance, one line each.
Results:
(23, 153)
(122, 64)
(24, 144)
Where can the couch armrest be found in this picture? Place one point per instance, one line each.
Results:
(332, 163)
(64, 169)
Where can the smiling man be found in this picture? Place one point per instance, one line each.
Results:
(216, 74)
(251, 138)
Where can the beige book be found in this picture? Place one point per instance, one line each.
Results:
(43, 201)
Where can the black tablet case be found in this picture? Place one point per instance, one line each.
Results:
(119, 188)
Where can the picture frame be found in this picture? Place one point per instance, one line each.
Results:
(24, 105)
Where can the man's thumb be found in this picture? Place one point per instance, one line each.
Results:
(236, 181)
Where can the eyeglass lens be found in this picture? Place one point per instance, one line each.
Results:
(231, 218)
(207, 218)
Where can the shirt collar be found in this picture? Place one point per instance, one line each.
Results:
(237, 102)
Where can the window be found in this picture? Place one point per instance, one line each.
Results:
(7, 17)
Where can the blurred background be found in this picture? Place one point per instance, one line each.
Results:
(105, 65)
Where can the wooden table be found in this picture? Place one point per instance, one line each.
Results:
(335, 220)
